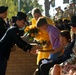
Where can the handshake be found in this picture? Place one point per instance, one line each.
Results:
(35, 48)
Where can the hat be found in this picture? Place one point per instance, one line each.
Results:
(14, 18)
(3, 9)
(73, 21)
(22, 15)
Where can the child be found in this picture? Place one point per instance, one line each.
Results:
(54, 34)
(64, 41)
(69, 65)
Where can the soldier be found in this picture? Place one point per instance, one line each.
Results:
(3, 15)
(71, 9)
(72, 5)
(60, 12)
(11, 37)
(65, 14)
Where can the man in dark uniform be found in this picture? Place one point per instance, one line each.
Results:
(22, 29)
(3, 15)
(11, 37)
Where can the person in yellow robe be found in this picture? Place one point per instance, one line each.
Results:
(42, 35)
(36, 13)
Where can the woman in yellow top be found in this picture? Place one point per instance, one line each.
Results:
(42, 34)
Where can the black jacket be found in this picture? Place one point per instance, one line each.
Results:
(2, 27)
(10, 38)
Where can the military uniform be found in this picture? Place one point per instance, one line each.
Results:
(2, 27)
(10, 38)
(3, 9)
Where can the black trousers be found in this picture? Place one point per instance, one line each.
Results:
(44, 68)
(3, 66)
(40, 62)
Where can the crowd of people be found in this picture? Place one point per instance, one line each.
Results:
(69, 11)
(58, 57)
(68, 56)
(66, 48)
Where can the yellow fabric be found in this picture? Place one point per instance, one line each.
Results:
(65, 19)
(42, 55)
(43, 36)
(33, 22)
(50, 21)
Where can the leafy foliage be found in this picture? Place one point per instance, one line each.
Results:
(25, 6)
(12, 10)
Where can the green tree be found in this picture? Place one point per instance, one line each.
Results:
(28, 5)
(12, 9)
(47, 6)
(25, 5)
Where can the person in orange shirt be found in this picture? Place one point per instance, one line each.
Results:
(36, 13)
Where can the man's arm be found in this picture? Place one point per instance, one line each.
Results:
(18, 40)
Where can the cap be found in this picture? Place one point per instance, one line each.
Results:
(73, 21)
(3, 9)
(22, 15)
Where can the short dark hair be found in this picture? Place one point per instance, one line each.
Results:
(36, 10)
(41, 21)
(66, 34)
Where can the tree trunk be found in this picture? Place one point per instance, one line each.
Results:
(47, 7)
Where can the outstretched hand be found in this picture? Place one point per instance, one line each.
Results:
(35, 49)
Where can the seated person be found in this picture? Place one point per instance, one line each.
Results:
(64, 41)
(54, 35)
(68, 67)
(44, 68)
(42, 35)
